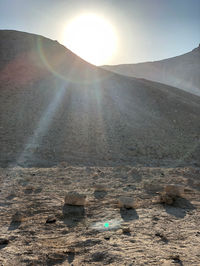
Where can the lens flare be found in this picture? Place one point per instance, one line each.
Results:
(91, 37)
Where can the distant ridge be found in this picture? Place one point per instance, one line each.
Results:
(181, 71)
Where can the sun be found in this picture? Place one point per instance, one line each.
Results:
(92, 38)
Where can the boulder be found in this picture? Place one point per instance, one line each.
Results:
(76, 199)
(126, 202)
(166, 199)
(174, 190)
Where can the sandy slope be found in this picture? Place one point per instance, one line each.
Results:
(55, 107)
(181, 71)
(159, 234)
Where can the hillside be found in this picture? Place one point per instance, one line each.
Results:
(55, 107)
(181, 71)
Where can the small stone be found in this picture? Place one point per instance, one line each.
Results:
(170, 193)
(126, 202)
(51, 219)
(76, 199)
(175, 258)
(4, 241)
(126, 230)
(167, 199)
(17, 217)
(174, 190)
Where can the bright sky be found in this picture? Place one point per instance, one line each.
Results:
(134, 30)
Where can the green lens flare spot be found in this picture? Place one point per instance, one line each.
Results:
(106, 225)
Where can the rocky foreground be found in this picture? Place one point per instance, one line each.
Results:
(37, 228)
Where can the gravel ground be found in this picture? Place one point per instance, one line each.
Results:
(151, 233)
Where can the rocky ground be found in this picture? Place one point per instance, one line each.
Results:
(38, 229)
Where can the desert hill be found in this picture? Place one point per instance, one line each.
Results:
(181, 71)
(55, 107)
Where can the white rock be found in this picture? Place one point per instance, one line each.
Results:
(74, 198)
(174, 190)
(126, 202)
(165, 198)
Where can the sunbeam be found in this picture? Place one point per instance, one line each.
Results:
(43, 125)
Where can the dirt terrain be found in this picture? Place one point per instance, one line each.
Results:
(50, 233)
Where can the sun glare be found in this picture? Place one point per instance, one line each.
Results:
(92, 38)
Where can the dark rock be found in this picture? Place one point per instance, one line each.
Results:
(51, 219)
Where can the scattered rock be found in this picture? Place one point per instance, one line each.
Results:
(171, 193)
(174, 190)
(17, 217)
(51, 219)
(162, 237)
(4, 241)
(74, 198)
(126, 230)
(176, 258)
(126, 202)
(166, 199)
(107, 237)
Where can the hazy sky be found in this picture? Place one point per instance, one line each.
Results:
(147, 30)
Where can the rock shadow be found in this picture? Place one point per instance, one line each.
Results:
(162, 237)
(38, 190)
(72, 215)
(180, 207)
(176, 260)
(128, 214)
(28, 191)
(100, 194)
(71, 256)
(55, 259)
(3, 243)
(14, 225)
(11, 196)
(127, 233)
